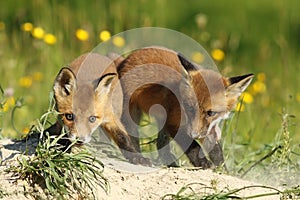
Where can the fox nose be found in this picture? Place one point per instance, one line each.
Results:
(80, 139)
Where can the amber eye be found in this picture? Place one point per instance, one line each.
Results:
(211, 113)
(92, 119)
(69, 116)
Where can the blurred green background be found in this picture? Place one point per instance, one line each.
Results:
(38, 37)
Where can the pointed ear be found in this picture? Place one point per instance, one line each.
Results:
(188, 66)
(238, 84)
(104, 83)
(65, 82)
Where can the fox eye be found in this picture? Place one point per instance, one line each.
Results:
(211, 113)
(92, 119)
(69, 116)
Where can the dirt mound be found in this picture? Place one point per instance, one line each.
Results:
(154, 184)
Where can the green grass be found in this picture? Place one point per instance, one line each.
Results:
(205, 192)
(256, 36)
(60, 173)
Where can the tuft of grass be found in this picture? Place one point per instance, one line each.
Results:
(65, 172)
(278, 162)
(205, 192)
(61, 173)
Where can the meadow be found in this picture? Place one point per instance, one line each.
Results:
(263, 37)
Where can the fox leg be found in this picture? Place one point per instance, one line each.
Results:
(125, 144)
(130, 120)
(164, 150)
(196, 155)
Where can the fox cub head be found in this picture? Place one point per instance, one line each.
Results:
(81, 92)
(211, 98)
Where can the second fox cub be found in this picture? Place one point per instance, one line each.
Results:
(194, 101)
(191, 101)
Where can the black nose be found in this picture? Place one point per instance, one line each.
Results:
(79, 142)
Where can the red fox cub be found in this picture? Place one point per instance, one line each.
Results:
(83, 98)
(194, 101)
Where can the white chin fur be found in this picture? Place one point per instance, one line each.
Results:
(215, 124)
(87, 139)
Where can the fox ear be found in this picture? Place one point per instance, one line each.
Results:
(65, 82)
(188, 66)
(104, 83)
(238, 84)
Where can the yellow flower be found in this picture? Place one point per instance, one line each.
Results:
(25, 81)
(261, 77)
(38, 33)
(10, 102)
(298, 97)
(82, 34)
(37, 76)
(240, 107)
(104, 35)
(27, 27)
(118, 41)
(25, 130)
(2, 26)
(197, 57)
(49, 39)
(247, 97)
(258, 87)
(218, 54)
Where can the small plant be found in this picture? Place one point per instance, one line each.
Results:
(62, 173)
(205, 192)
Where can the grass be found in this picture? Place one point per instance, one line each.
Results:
(255, 36)
(30, 64)
(276, 165)
(210, 193)
(62, 172)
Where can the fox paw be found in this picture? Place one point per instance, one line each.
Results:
(140, 160)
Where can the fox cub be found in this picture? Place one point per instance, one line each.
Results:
(188, 102)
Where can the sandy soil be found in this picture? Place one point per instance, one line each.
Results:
(145, 183)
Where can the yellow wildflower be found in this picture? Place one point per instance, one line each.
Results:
(25, 130)
(37, 76)
(197, 57)
(261, 77)
(27, 27)
(240, 107)
(258, 87)
(82, 34)
(247, 97)
(218, 54)
(49, 39)
(104, 35)
(298, 97)
(10, 102)
(118, 41)
(38, 33)
(25, 81)
(2, 26)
